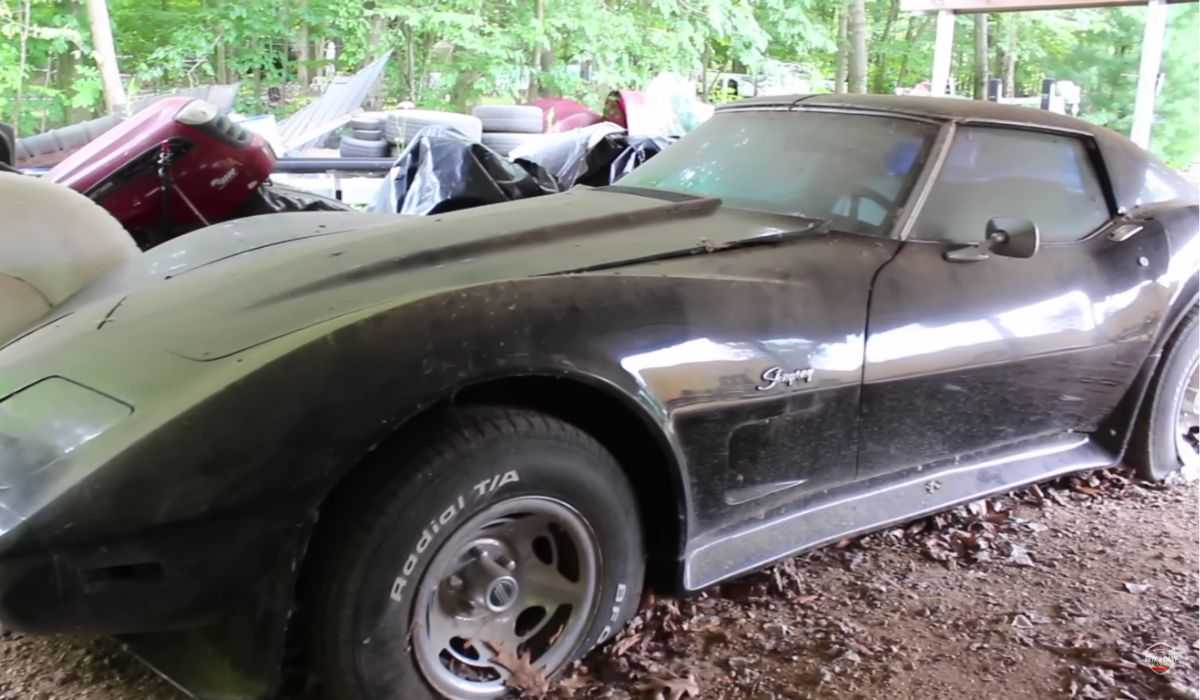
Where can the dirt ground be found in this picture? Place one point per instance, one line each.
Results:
(1062, 590)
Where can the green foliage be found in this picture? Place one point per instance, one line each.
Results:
(456, 53)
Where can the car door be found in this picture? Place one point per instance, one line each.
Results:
(963, 358)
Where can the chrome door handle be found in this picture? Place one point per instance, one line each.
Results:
(1124, 232)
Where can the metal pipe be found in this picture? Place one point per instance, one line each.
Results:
(325, 165)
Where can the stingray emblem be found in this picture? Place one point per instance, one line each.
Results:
(774, 376)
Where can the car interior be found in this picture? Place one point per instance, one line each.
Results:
(42, 265)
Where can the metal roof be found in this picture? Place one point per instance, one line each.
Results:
(946, 108)
(341, 100)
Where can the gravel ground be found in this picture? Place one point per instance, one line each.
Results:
(1057, 591)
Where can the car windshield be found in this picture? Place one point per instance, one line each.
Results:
(853, 170)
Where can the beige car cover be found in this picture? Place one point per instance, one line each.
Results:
(53, 242)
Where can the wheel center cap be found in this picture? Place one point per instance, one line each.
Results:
(502, 593)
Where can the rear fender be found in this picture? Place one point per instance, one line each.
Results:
(1183, 283)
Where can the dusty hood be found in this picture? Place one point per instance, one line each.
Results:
(223, 242)
(235, 301)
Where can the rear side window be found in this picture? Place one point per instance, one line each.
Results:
(992, 172)
(1161, 184)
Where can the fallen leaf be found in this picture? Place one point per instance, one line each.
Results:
(523, 676)
(711, 638)
(625, 645)
(1055, 496)
(676, 688)
(937, 549)
(997, 517)
(571, 684)
(1020, 556)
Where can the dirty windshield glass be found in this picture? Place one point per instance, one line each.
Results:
(853, 170)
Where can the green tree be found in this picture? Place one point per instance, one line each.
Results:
(455, 53)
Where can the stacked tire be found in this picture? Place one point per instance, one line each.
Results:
(366, 137)
(505, 127)
(65, 140)
(401, 126)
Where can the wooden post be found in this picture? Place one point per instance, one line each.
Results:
(1147, 85)
(303, 47)
(942, 50)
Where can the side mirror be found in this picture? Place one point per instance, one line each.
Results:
(1008, 237)
(1012, 238)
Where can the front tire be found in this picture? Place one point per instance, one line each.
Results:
(1168, 429)
(510, 530)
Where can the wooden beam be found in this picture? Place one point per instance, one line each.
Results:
(1147, 86)
(969, 6)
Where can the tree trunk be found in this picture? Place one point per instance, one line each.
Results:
(858, 47)
(915, 31)
(222, 61)
(257, 75)
(302, 46)
(1010, 57)
(67, 67)
(375, 36)
(410, 41)
(543, 56)
(981, 56)
(46, 88)
(881, 47)
(115, 100)
(839, 81)
(463, 89)
(26, 25)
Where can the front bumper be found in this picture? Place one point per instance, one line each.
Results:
(206, 605)
(183, 576)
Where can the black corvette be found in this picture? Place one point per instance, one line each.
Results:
(369, 455)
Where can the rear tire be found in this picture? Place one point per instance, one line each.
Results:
(1165, 437)
(508, 524)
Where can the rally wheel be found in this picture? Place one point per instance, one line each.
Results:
(510, 535)
(1167, 436)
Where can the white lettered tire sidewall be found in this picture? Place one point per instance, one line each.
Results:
(525, 455)
(1180, 360)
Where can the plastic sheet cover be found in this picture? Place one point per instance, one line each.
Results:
(442, 171)
(595, 156)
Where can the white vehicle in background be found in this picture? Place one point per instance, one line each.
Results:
(775, 78)
(1058, 96)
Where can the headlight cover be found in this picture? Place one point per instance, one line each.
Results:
(48, 420)
(196, 113)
